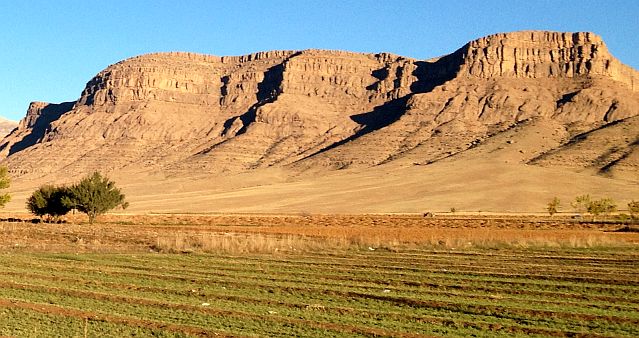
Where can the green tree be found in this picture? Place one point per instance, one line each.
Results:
(5, 182)
(581, 203)
(602, 206)
(633, 208)
(49, 200)
(553, 205)
(95, 195)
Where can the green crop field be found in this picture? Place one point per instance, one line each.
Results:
(411, 293)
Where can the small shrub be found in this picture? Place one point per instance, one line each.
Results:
(49, 201)
(581, 203)
(5, 182)
(633, 208)
(602, 206)
(553, 205)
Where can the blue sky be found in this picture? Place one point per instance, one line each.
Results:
(49, 49)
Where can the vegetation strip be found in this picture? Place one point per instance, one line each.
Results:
(359, 293)
(294, 305)
(75, 281)
(207, 310)
(69, 312)
(454, 307)
(457, 286)
(476, 324)
(435, 285)
(440, 280)
(505, 279)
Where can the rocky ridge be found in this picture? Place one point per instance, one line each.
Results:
(180, 113)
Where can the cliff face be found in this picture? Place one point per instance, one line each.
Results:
(185, 112)
(545, 55)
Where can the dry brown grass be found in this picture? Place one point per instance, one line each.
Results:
(280, 241)
(238, 243)
(285, 233)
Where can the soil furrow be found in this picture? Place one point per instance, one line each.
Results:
(97, 316)
(451, 323)
(210, 311)
(439, 278)
(611, 303)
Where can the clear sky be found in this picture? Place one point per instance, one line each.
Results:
(50, 49)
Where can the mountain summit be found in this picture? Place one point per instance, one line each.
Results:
(533, 98)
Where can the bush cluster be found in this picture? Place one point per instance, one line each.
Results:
(584, 204)
(50, 201)
(93, 195)
(594, 207)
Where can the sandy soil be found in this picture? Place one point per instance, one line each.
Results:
(486, 186)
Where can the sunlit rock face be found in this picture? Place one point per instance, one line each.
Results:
(316, 109)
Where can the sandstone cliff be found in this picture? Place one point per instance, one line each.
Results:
(179, 113)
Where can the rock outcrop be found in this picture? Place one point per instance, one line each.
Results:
(545, 55)
(184, 112)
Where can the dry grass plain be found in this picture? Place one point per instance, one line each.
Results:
(475, 182)
(317, 275)
(124, 233)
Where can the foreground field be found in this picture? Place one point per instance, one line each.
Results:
(310, 276)
(354, 293)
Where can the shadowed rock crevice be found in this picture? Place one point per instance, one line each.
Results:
(613, 107)
(566, 98)
(224, 90)
(379, 117)
(623, 155)
(431, 74)
(267, 91)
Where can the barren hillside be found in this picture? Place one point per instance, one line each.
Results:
(503, 123)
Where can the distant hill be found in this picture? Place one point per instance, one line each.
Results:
(555, 113)
(6, 126)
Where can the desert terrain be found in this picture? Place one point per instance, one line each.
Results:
(328, 193)
(484, 187)
(503, 124)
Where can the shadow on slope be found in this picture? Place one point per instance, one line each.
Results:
(601, 160)
(267, 91)
(429, 75)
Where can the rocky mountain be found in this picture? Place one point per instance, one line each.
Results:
(536, 98)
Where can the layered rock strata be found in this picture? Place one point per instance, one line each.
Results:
(185, 112)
